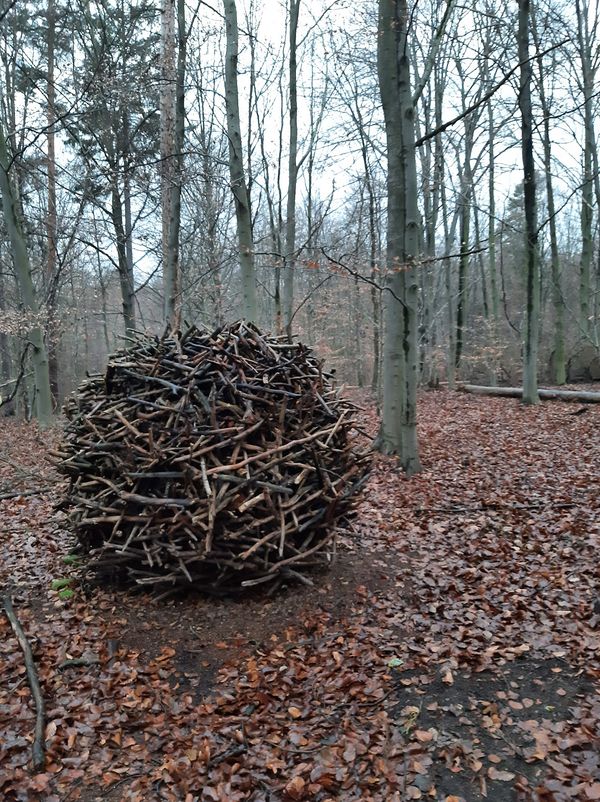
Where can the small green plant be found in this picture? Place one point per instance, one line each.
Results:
(71, 559)
(60, 584)
(65, 593)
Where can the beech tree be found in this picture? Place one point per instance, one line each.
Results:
(236, 165)
(20, 257)
(530, 350)
(398, 427)
(400, 350)
(172, 109)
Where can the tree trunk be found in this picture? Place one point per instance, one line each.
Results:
(290, 222)
(126, 279)
(400, 355)
(494, 293)
(172, 140)
(51, 220)
(236, 165)
(5, 360)
(587, 189)
(39, 358)
(463, 260)
(530, 351)
(559, 362)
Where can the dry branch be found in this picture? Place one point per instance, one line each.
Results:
(221, 460)
(39, 745)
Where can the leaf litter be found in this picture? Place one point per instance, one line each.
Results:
(451, 654)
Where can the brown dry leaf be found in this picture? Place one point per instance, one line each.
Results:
(497, 774)
(294, 789)
(424, 736)
(527, 702)
(349, 754)
(40, 782)
(448, 678)
(295, 712)
(166, 653)
(593, 791)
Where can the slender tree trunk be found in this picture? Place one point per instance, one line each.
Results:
(236, 165)
(39, 358)
(51, 219)
(464, 258)
(492, 267)
(290, 223)
(400, 356)
(558, 357)
(530, 351)
(5, 360)
(127, 213)
(126, 278)
(375, 292)
(587, 190)
(448, 239)
(172, 142)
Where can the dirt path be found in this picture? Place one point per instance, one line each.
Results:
(451, 654)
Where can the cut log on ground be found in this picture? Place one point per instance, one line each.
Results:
(220, 460)
(39, 743)
(583, 396)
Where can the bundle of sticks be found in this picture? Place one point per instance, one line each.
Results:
(220, 460)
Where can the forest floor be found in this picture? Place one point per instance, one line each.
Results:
(452, 652)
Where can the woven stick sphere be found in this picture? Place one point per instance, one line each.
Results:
(218, 460)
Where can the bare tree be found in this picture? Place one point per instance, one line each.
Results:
(20, 256)
(530, 352)
(236, 164)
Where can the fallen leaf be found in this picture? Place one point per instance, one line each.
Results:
(295, 788)
(503, 776)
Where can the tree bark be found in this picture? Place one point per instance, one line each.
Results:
(236, 165)
(172, 139)
(126, 278)
(559, 362)
(530, 351)
(290, 222)
(39, 358)
(400, 356)
(587, 190)
(51, 218)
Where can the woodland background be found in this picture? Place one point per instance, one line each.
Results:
(114, 125)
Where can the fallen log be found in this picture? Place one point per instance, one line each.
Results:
(582, 396)
(39, 745)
